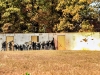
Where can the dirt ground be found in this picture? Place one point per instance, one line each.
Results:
(50, 62)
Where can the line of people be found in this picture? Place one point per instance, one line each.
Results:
(30, 46)
(35, 46)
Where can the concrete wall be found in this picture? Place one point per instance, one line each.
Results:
(22, 38)
(74, 41)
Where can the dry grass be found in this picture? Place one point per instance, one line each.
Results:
(50, 62)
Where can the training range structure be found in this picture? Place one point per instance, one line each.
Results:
(63, 41)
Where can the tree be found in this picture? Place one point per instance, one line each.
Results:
(95, 5)
(44, 16)
(18, 13)
(74, 12)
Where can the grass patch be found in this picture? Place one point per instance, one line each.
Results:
(50, 62)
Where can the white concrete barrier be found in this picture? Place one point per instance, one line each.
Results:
(73, 41)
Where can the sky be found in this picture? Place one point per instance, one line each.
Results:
(96, 3)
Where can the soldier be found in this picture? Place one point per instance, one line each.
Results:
(47, 44)
(15, 46)
(53, 44)
(23, 46)
(39, 46)
(10, 45)
(4, 45)
(33, 45)
(30, 46)
(43, 45)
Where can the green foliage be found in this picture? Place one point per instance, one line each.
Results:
(27, 73)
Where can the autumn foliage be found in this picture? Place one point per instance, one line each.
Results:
(44, 16)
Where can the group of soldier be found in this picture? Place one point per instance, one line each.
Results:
(48, 45)
(5, 45)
